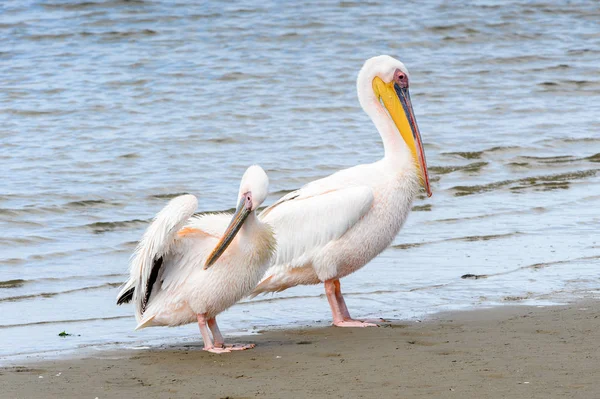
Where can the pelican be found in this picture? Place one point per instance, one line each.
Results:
(334, 226)
(187, 269)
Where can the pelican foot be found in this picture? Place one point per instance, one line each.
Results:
(353, 323)
(218, 350)
(239, 347)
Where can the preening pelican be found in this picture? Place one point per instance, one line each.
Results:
(187, 269)
(334, 226)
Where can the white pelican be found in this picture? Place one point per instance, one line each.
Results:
(187, 269)
(334, 226)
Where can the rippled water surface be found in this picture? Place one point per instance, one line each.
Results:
(110, 108)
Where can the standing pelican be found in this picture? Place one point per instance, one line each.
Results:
(188, 269)
(334, 226)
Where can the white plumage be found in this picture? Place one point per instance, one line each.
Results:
(333, 226)
(168, 275)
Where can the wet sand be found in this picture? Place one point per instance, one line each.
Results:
(516, 352)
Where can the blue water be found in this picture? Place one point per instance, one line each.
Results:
(110, 108)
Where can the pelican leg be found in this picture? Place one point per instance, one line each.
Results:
(216, 333)
(203, 323)
(340, 300)
(336, 312)
(339, 310)
(220, 342)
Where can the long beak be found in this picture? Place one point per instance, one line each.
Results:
(240, 215)
(404, 97)
(397, 102)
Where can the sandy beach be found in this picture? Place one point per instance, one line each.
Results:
(516, 352)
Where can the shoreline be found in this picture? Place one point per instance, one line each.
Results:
(167, 341)
(508, 351)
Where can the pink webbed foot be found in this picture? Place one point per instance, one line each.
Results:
(353, 323)
(218, 350)
(339, 310)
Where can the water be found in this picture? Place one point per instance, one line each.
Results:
(110, 108)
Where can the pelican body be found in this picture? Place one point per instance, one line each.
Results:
(332, 227)
(187, 269)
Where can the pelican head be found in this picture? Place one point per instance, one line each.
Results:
(253, 191)
(254, 187)
(389, 79)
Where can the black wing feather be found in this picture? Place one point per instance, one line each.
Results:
(153, 277)
(126, 297)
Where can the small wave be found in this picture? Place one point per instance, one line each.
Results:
(351, 4)
(553, 159)
(565, 84)
(128, 244)
(544, 186)
(115, 36)
(53, 294)
(559, 159)
(466, 154)
(236, 76)
(311, 24)
(224, 211)
(276, 299)
(37, 323)
(479, 154)
(487, 276)
(318, 147)
(519, 59)
(29, 240)
(49, 36)
(12, 261)
(557, 262)
(579, 51)
(38, 112)
(445, 28)
(103, 227)
(296, 297)
(12, 283)
(547, 181)
(422, 208)
(289, 35)
(44, 256)
(559, 67)
(570, 140)
(127, 82)
(86, 203)
(167, 196)
(335, 110)
(518, 164)
(6, 24)
(537, 266)
(593, 158)
(429, 287)
(69, 6)
(221, 140)
(472, 167)
(66, 278)
(31, 210)
(130, 155)
(465, 238)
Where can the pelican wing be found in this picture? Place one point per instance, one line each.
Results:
(157, 241)
(193, 244)
(306, 220)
